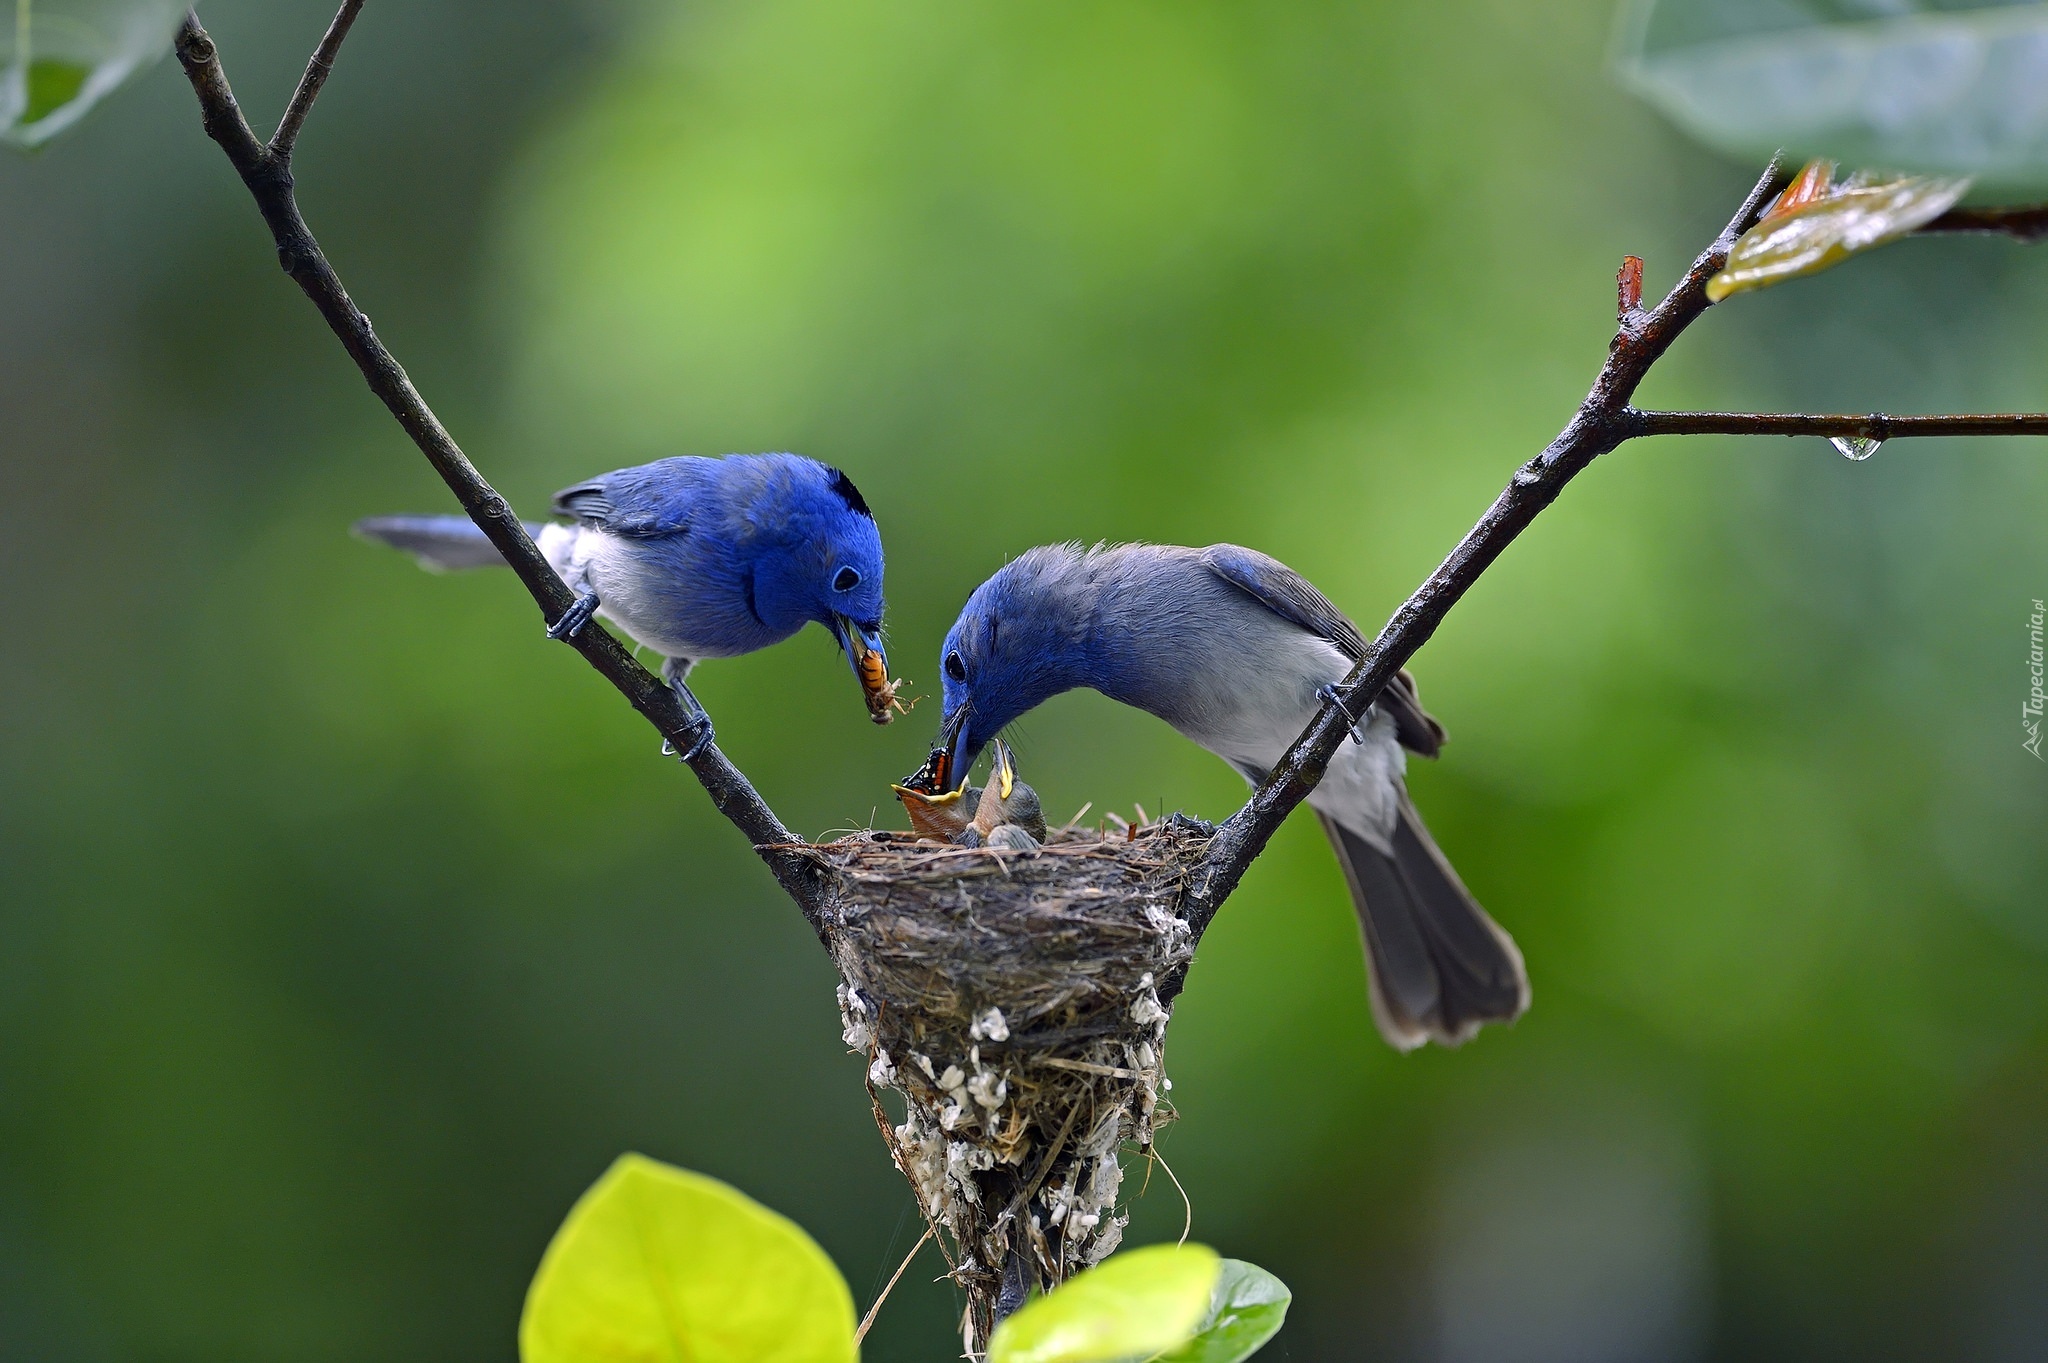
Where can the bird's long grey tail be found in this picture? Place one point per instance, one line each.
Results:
(440, 543)
(1440, 967)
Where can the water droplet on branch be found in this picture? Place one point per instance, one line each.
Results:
(1857, 447)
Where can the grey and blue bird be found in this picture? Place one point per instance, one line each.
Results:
(699, 558)
(1237, 651)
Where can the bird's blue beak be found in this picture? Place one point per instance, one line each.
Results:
(945, 769)
(863, 648)
(859, 643)
(953, 742)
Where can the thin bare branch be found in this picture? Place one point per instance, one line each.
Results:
(267, 174)
(2027, 222)
(1874, 426)
(317, 71)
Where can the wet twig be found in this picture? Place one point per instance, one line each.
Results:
(1874, 426)
(266, 170)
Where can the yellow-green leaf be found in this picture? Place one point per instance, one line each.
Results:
(1131, 1306)
(58, 58)
(659, 1265)
(1247, 1307)
(1856, 215)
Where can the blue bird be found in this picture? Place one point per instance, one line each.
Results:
(700, 558)
(1236, 651)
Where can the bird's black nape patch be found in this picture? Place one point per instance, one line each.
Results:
(850, 494)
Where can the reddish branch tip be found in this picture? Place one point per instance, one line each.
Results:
(1629, 286)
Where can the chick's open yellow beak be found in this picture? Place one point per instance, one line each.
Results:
(906, 794)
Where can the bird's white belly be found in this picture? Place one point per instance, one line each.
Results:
(590, 560)
(1272, 700)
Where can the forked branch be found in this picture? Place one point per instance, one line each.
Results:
(1603, 421)
(317, 70)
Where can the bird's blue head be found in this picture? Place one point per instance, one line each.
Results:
(827, 566)
(1021, 639)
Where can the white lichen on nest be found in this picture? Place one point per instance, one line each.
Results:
(1012, 999)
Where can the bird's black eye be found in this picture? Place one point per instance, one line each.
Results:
(847, 580)
(955, 668)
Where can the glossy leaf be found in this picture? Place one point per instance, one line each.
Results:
(58, 58)
(659, 1265)
(1810, 185)
(1951, 88)
(1852, 216)
(1247, 1307)
(1134, 1305)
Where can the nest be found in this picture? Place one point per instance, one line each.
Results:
(1013, 1000)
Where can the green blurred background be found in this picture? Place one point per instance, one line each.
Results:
(349, 931)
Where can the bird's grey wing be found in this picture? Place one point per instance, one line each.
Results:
(1414, 726)
(639, 502)
(1286, 593)
(1294, 598)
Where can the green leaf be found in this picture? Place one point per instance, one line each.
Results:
(1860, 213)
(58, 58)
(659, 1265)
(1949, 88)
(1135, 1305)
(1246, 1308)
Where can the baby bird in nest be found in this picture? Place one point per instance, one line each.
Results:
(1004, 813)
(937, 813)
(1008, 813)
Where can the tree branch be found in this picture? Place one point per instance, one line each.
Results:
(1875, 426)
(266, 170)
(317, 71)
(2028, 223)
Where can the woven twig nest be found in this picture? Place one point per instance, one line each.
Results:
(1013, 1000)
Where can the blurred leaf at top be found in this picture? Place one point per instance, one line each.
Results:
(1819, 221)
(1137, 1304)
(1247, 1307)
(1955, 87)
(58, 58)
(656, 1262)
